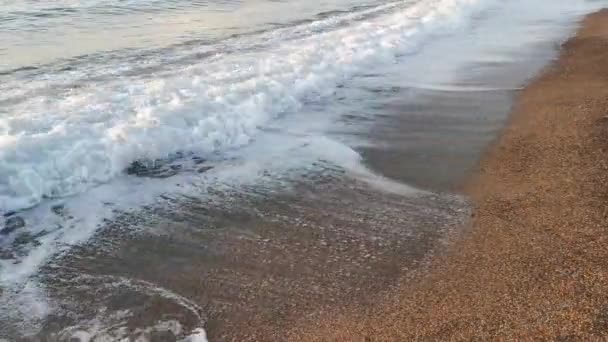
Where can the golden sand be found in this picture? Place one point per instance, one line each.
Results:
(534, 262)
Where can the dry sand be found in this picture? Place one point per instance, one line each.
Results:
(534, 263)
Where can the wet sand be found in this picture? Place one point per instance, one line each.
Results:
(532, 264)
(254, 262)
(252, 271)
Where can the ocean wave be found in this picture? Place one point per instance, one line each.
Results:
(56, 146)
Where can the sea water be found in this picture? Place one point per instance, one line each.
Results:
(110, 106)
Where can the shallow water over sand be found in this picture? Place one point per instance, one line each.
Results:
(219, 168)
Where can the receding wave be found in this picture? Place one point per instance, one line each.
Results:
(55, 145)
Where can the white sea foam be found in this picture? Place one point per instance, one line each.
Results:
(101, 331)
(110, 324)
(54, 146)
(198, 335)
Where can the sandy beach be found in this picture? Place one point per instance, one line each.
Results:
(532, 265)
(358, 170)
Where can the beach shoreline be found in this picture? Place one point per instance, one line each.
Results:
(353, 230)
(531, 265)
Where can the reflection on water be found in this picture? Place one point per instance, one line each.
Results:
(39, 32)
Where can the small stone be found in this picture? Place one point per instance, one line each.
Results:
(12, 224)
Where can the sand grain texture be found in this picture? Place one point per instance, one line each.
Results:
(534, 262)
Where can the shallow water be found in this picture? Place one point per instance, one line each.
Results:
(115, 117)
(41, 32)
